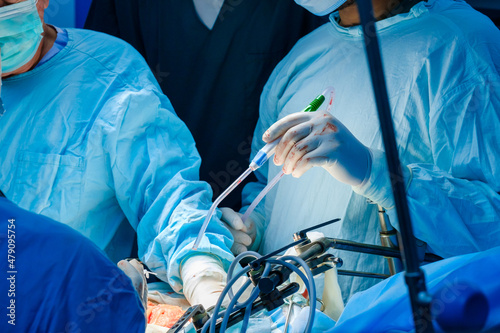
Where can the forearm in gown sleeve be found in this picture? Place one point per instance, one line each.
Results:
(454, 203)
(155, 167)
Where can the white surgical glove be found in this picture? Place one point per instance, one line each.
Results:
(135, 271)
(203, 280)
(319, 139)
(244, 234)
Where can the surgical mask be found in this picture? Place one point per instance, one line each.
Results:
(320, 7)
(20, 34)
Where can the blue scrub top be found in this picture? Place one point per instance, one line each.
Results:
(91, 142)
(59, 281)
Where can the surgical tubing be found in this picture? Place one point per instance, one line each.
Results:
(235, 262)
(229, 309)
(332, 98)
(264, 154)
(256, 290)
(261, 195)
(268, 150)
(213, 321)
(259, 160)
(307, 278)
(296, 270)
(309, 283)
(216, 203)
(246, 318)
(248, 304)
(209, 322)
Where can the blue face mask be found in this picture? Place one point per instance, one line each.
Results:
(320, 7)
(20, 34)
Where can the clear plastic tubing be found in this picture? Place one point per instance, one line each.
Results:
(259, 160)
(216, 203)
(262, 194)
(331, 94)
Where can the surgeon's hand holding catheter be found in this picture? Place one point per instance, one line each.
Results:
(319, 139)
(242, 226)
(233, 219)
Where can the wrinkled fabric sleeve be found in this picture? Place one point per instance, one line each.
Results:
(155, 168)
(455, 202)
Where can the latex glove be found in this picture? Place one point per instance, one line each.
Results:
(203, 280)
(135, 271)
(244, 234)
(319, 139)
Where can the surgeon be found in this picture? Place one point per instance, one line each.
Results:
(442, 62)
(56, 280)
(88, 139)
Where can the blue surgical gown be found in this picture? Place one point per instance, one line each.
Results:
(386, 306)
(89, 140)
(213, 78)
(59, 281)
(442, 63)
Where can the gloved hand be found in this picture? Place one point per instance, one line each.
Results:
(319, 139)
(244, 234)
(203, 280)
(135, 271)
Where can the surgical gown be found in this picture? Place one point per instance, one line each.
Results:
(213, 77)
(56, 280)
(88, 139)
(386, 306)
(441, 62)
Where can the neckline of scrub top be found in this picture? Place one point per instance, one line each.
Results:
(356, 31)
(59, 44)
(200, 24)
(49, 63)
(208, 11)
